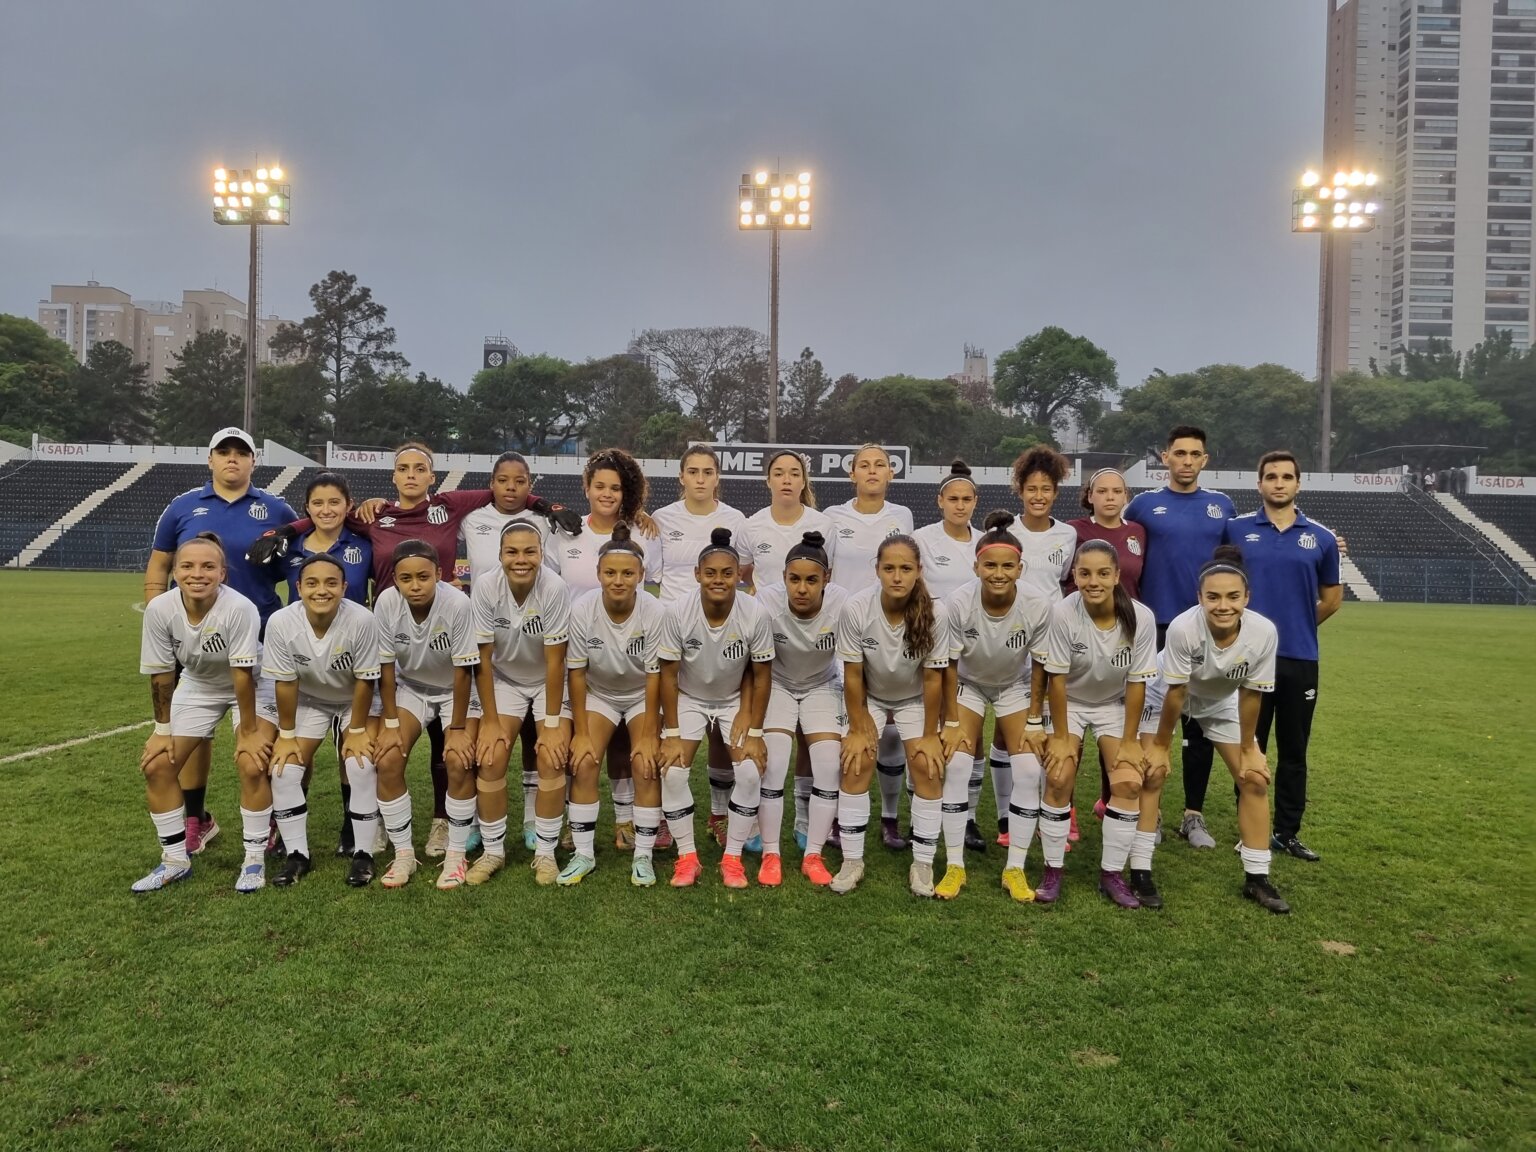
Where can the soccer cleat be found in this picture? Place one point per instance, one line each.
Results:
(453, 873)
(685, 873)
(1098, 809)
(624, 835)
(1050, 886)
(848, 877)
(567, 839)
(161, 875)
(814, 869)
(475, 841)
(1113, 885)
(642, 872)
(252, 878)
(575, 869)
(732, 871)
(295, 868)
(753, 844)
(974, 840)
(800, 837)
(1145, 888)
(530, 835)
(890, 835)
(1073, 835)
(770, 874)
(920, 879)
(200, 833)
(949, 887)
(717, 828)
(1002, 838)
(545, 870)
(344, 844)
(1193, 829)
(484, 867)
(835, 837)
(380, 839)
(437, 839)
(400, 870)
(1292, 846)
(663, 837)
(1016, 884)
(275, 846)
(1262, 892)
(210, 830)
(360, 875)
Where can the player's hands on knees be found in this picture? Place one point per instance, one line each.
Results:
(930, 758)
(1060, 759)
(551, 749)
(388, 741)
(1033, 742)
(154, 748)
(285, 752)
(754, 749)
(952, 740)
(356, 745)
(492, 745)
(1254, 766)
(458, 749)
(582, 755)
(858, 753)
(672, 753)
(1156, 757)
(252, 746)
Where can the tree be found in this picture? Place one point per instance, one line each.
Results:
(525, 404)
(290, 405)
(400, 407)
(1383, 412)
(666, 434)
(807, 391)
(112, 396)
(717, 375)
(1054, 375)
(621, 393)
(922, 414)
(37, 383)
(203, 391)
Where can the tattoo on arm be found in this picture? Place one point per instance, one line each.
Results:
(160, 692)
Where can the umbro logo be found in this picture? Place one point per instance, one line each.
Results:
(302, 661)
(594, 642)
(501, 622)
(573, 553)
(845, 533)
(1160, 510)
(199, 511)
(1078, 648)
(437, 514)
(765, 546)
(1253, 537)
(972, 634)
(440, 642)
(483, 529)
(386, 521)
(941, 561)
(868, 643)
(780, 638)
(694, 645)
(674, 534)
(402, 639)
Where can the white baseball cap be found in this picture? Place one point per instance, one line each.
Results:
(239, 434)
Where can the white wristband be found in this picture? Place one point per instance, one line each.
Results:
(551, 721)
(357, 731)
(671, 733)
(162, 728)
(951, 723)
(388, 723)
(287, 734)
(1034, 722)
(754, 733)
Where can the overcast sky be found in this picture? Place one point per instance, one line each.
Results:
(565, 172)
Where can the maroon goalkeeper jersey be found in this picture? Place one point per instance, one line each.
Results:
(1129, 540)
(435, 520)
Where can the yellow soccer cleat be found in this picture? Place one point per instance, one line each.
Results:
(545, 870)
(484, 868)
(949, 887)
(1016, 884)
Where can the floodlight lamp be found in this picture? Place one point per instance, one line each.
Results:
(1339, 209)
(1308, 178)
(1309, 221)
(1324, 192)
(1356, 221)
(218, 186)
(261, 187)
(220, 174)
(274, 201)
(245, 201)
(247, 186)
(1370, 179)
(775, 192)
(774, 205)
(1356, 207)
(1309, 207)
(1371, 208)
(760, 219)
(790, 191)
(231, 215)
(746, 205)
(1340, 221)
(261, 173)
(1357, 177)
(805, 205)
(761, 177)
(218, 201)
(746, 219)
(1341, 177)
(274, 214)
(805, 177)
(805, 220)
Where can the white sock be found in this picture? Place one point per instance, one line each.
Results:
(583, 818)
(547, 831)
(623, 800)
(1119, 834)
(925, 829)
(291, 809)
(1023, 807)
(826, 774)
(1141, 850)
(745, 798)
(677, 806)
(803, 785)
(852, 820)
(1053, 834)
(1002, 786)
(171, 827)
(461, 817)
(770, 808)
(493, 837)
(891, 778)
(530, 794)
(720, 788)
(397, 822)
(254, 827)
(363, 809)
(973, 791)
(647, 824)
(955, 807)
(1255, 860)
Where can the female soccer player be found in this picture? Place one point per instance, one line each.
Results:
(893, 640)
(614, 681)
(948, 545)
(1217, 662)
(480, 529)
(323, 653)
(860, 527)
(807, 694)
(327, 500)
(994, 626)
(428, 654)
(790, 514)
(212, 632)
(1101, 653)
(716, 651)
(522, 618)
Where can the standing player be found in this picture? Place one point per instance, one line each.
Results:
(1184, 523)
(948, 545)
(1293, 563)
(480, 529)
(327, 500)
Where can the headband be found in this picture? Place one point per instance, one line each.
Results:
(422, 452)
(952, 477)
(984, 543)
(1101, 472)
(1209, 569)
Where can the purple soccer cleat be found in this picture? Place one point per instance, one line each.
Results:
(1048, 891)
(1113, 885)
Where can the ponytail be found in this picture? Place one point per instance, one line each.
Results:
(918, 620)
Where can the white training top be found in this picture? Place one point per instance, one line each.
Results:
(481, 532)
(1098, 663)
(683, 537)
(577, 557)
(228, 637)
(326, 667)
(1047, 556)
(616, 657)
(993, 651)
(858, 539)
(805, 650)
(948, 564)
(713, 660)
(519, 633)
(425, 654)
(771, 541)
(1190, 655)
(864, 637)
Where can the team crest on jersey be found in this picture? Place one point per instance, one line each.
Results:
(1238, 671)
(1214, 512)
(894, 530)
(341, 662)
(1253, 537)
(636, 645)
(214, 642)
(1016, 639)
(256, 510)
(1121, 658)
(1308, 541)
(352, 554)
(386, 521)
(1057, 556)
(440, 642)
(437, 514)
(825, 641)
(735, 650)
(533, 625)
(1133, 545)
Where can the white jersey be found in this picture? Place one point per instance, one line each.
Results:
(519, 633)
(326, 667)
(426, 654)
(683, 537)
(805, 651)
(481, 532)
(1047, 556)
(1190, 655)
(228, 637)
(578, 557)
(864, 637)
(948, 564)
(859, 537)
(993, 652)
(617, 657)
(714, 660)
(1098, 663)
(771, 541)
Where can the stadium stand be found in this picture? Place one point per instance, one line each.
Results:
(1516, 515)
(38, 492)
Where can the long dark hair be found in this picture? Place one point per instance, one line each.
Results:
(632, 481)
(1125, 607)
(917, 618)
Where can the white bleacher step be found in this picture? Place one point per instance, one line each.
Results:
(50, 535)
(1490, 531)
(1355, 581)
(283, 479)
(452, 481)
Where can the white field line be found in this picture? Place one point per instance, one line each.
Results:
(47, 748)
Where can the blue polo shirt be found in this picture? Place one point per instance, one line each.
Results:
(356, 556)
(1183, 529)
(239, 523)
(1286, 572)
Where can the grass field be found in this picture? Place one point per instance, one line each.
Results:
(1394, 1007)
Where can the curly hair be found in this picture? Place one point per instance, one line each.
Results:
(1041, 458)
(918, 620)
(632, 481)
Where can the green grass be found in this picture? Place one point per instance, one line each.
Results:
(608, 1018)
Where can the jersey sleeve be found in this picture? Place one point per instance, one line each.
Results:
(669, 644)
(156, 654)
(483, 607)
(850, 648)
(461, 635)
(245, 637)
(276, 658)
(1261, 669)
(1328, 562)
(557, 617)
(1037, 615)
(365, 648)
(1178, 655)
(576, 646)
(956, 628)
(167, 528)
(742, 538)
(938, 655)
(1143, 649)
(462, 501)
(1133, 511)
(382, 613)
(761, 640)
(649, 651)
(1056, 654)
(905, 516)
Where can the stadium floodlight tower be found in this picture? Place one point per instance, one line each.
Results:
(251, 198)
(774, 202)
(1346, 205)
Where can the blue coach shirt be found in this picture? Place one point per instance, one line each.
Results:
(1286, 571)
(356, 556)
(1183, 529)
(238, 523)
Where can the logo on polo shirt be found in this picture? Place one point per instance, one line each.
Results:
(401, 639)
(869, 643)
(694, 644)
(437, 514)
(1078, 648)
(972, 634)
(483, 529)
(765, 546)
(199, 511)
(1253, 537)
(594, 642)
(256, 510)
(941, 561)
(1214, 511)
(573, 553)
(1160, 510)
(1121, 658)
(352, 554)
(1057, 556)
(342, 662)
(1307, 540)
(675, 534)
(845, 533)
(1133, 545)
(386, 521)
(440, 642)
(735, 650)
(780, 638)
(1197, 659)
(214, 642)
(301, 660)
(501, 622)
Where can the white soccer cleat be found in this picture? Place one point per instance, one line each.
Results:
(252, 878)
(162, 874)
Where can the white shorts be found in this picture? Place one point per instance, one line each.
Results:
(428, 704)
(815, 711)
(906, 715)
(1104, 719)
(616, 712)
(1218, 718)
(1004, 701)
(514, 700)
(314, 717)
(695, 716)
(196, 712)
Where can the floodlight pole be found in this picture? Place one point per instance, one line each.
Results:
(1325, 358)
(773, 337)
(250, 338)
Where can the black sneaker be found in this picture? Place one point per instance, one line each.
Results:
(361, 873)
(974, 840)
(295, 868)
(1292, 846)
(1145, 888)
(344, 845)
(1262, 892)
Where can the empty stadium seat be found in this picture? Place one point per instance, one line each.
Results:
(1515, 515)
(35, 493)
